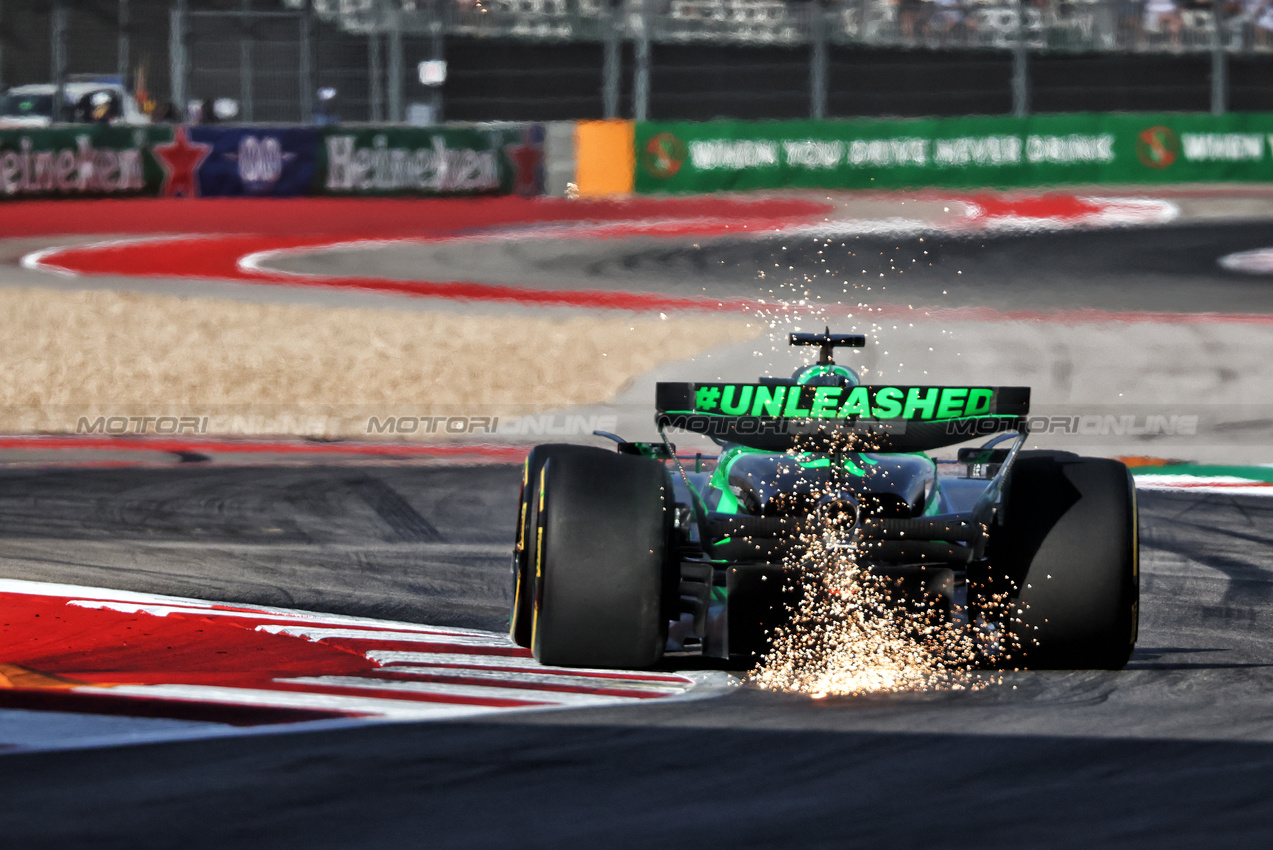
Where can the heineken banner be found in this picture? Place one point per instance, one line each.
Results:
(494, 160)
(1043, 150)
(92, 159)
(214, 161)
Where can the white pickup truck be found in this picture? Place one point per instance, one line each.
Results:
(85, 102)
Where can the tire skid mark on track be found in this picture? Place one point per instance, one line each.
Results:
(145, 655)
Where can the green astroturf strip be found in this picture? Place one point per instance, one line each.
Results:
(1254, 473)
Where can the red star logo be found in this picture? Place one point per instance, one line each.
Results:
(180, 160)
(526, 157)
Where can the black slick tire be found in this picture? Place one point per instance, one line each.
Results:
(1065, 563)
(602, 530)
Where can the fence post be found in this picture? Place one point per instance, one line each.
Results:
(818, 61)
(308, 89)
(376, 77)
(438, 54)
(121, 53)
(1020, 68)
(613, 62)
(395, 69)
(57, 32)
(246, 71)
(1219, 64)
(177, 64)
(641, 85)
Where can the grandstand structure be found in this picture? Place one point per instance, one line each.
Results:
(1076, 25)
(969, 33)
(664, 59)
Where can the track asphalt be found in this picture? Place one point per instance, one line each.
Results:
(1172, 751)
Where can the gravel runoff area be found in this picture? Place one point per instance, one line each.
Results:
(240, 367)
(295, 361)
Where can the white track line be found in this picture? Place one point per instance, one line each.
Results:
(527, 696)
(1230, 484)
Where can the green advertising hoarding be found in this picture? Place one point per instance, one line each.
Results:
(1083, 148)
(88, 160)
(371, 160)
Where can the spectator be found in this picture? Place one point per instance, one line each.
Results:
(909, 18)
(948, 17)
(167, 114)
(1162, 17)
(98, 107)
(1129, 13)
(1238, 17)
(325, 107)
(1263, 16)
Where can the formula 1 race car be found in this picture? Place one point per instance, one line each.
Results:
(621, 556)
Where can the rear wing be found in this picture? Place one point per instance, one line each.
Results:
(778, 417)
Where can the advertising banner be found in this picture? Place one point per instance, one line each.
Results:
(256, 161)
(485, 160)
(89, 160)
(262, 161)
(1044, 150)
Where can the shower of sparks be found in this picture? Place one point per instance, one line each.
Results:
(851, 634)
(854, 631)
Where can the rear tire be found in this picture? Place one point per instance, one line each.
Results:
(603, 525)
(1067, 558)
(521, 618)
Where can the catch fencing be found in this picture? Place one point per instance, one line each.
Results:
(644, 59)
